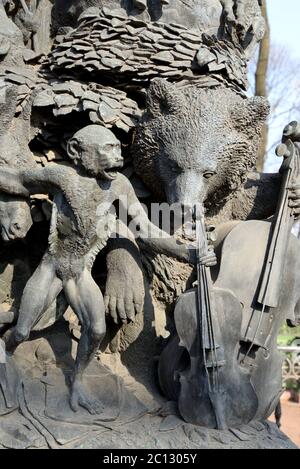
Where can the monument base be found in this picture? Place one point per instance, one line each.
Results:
(133, 414)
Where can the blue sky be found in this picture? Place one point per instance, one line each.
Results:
(284, 18)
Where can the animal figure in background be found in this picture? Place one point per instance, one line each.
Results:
(15, 212)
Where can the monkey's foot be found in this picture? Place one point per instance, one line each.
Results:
(79, 398)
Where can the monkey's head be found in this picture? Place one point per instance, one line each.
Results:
(96, 150)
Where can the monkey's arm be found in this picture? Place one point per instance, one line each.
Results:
(27, 182)
(11, 182)
(170, 247)
(152, 238)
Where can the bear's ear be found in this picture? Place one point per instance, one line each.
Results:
(251, 114)
(164, 98)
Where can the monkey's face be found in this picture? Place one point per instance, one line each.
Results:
(102, 160)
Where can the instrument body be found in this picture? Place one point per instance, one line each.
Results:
(243, 258)
(208, 322)
(198, 404)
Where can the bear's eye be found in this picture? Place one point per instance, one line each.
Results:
(208, 174)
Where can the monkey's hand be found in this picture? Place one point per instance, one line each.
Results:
(125, 293)
(210, 260)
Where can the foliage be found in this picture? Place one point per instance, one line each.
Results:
(287, 334)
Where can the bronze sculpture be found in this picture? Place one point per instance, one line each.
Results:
(168, 80)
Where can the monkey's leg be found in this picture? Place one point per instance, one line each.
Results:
(40, 292)
(86, 300)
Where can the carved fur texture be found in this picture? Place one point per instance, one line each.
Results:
(187, 133)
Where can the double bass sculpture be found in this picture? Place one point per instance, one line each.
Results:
(224, 366)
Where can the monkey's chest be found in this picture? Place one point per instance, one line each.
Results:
(79, 232)
(75, 218)
(65, 223)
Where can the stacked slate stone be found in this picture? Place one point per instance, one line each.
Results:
(25, 79)
(106, 106)
(128, 50)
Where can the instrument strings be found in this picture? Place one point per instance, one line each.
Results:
(284, 212)
(211, 333)
(201, 323)
(206, 323)
(267, 284)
